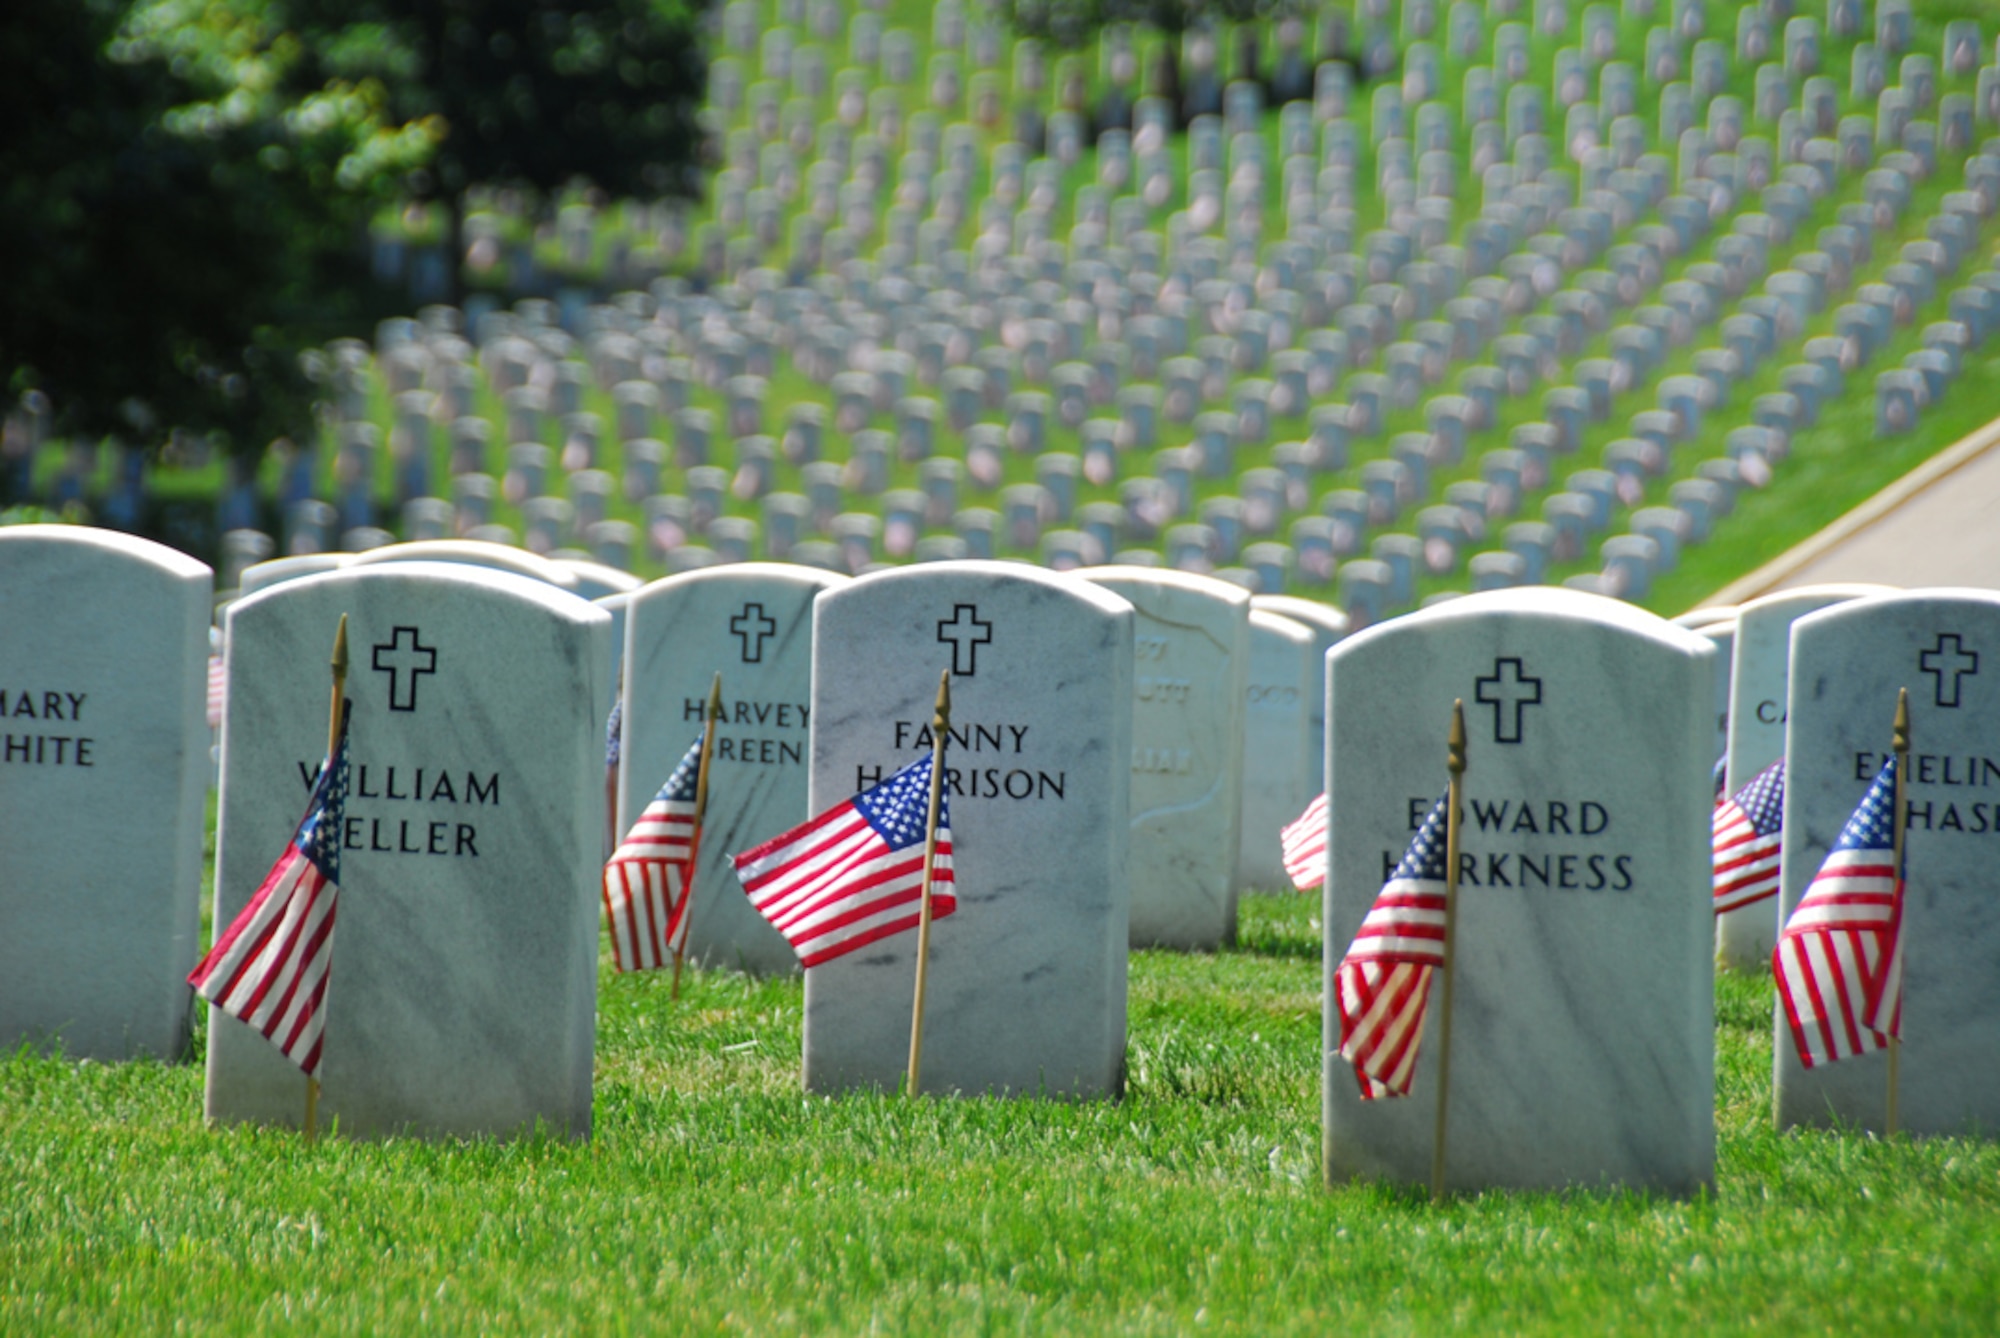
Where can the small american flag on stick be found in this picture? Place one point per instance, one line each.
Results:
(646, 879)
(269, 968)
(1383, 983)
(855, 873)
(1303, 842)
(1748, 830)
(1837, 962)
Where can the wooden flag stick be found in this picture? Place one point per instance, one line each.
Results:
(694, 838)
(332, 746)
(1901, 743)
(940, 732)
(1455, 762)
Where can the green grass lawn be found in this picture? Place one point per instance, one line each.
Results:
(715, 1197)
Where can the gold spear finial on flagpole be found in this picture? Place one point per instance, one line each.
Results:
(339, 666)
(940, 732)
(1455, 763)
(700, 814)
(1900, 741)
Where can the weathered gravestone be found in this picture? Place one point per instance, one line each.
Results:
(1583, 1048)
(752, 622)
(1328, 625)
(463, 980)
(1278, 744)
(473, 553)
(103, 776)
(1847, 663)
(1759, 662)
(1718, 624)
(1190, 670)
(1027, 978)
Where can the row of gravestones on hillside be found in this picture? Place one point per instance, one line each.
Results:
(1098, 735)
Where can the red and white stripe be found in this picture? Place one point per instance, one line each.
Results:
(218, 690)
(1746, 864)
(1383, 985)
(645, 886)
(269, 968)
(1304, 844)
(834, 885)
(1838, 961)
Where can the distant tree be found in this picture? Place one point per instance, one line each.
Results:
(1072, 23)
(172, 229)
(525, 93)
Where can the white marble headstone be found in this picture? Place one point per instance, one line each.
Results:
(1847, 663)
(1758, 666)
(462, 994)
(258, 575)
(1191, 647)
(752, 622)
(104, 782)
(1583, 1045)
(1027, 978)
(1277, 745)
(474, 553)
(1327, 625)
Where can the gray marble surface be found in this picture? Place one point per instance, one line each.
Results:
(1759, 662)
(104, 781)
(752, 622)
(474, 553)
(1328, 625)
(462, 993)
(1027, 978)
(1583, 1044)
(1191, 652)
(1278, 744)
(1846, 665)
(277, 570)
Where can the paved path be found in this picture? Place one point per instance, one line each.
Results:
(1937, 525)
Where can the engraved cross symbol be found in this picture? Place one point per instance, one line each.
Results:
(403, 657)
(752, 626)
(1509, 692)
(965, 634)
(1947, 662)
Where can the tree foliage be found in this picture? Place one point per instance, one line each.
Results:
(185, 185)
(173, 226)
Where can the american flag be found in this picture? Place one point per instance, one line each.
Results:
(1383, 984)
(218, 690)
(1304, 844)
(269, 968)
(1748, 829)
(1839, 961)
(855, 873)
(646, 879)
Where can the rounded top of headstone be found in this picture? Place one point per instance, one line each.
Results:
(1000, 571)
(463, 577)
(83, 537)
(1113, 578)
(473, 553)
(277, 570)
(744, 573)
(1702, 617)
(1276, 624)
(1308, 611)
(1789, 604)
(595, 580)
(1552, 603)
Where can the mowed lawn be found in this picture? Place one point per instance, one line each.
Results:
(715, 1197)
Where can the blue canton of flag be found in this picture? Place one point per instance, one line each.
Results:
(1383, 983)
(269, 967)
(1747, 834)
(647, 877)
(1839, 961)
(855, 873)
